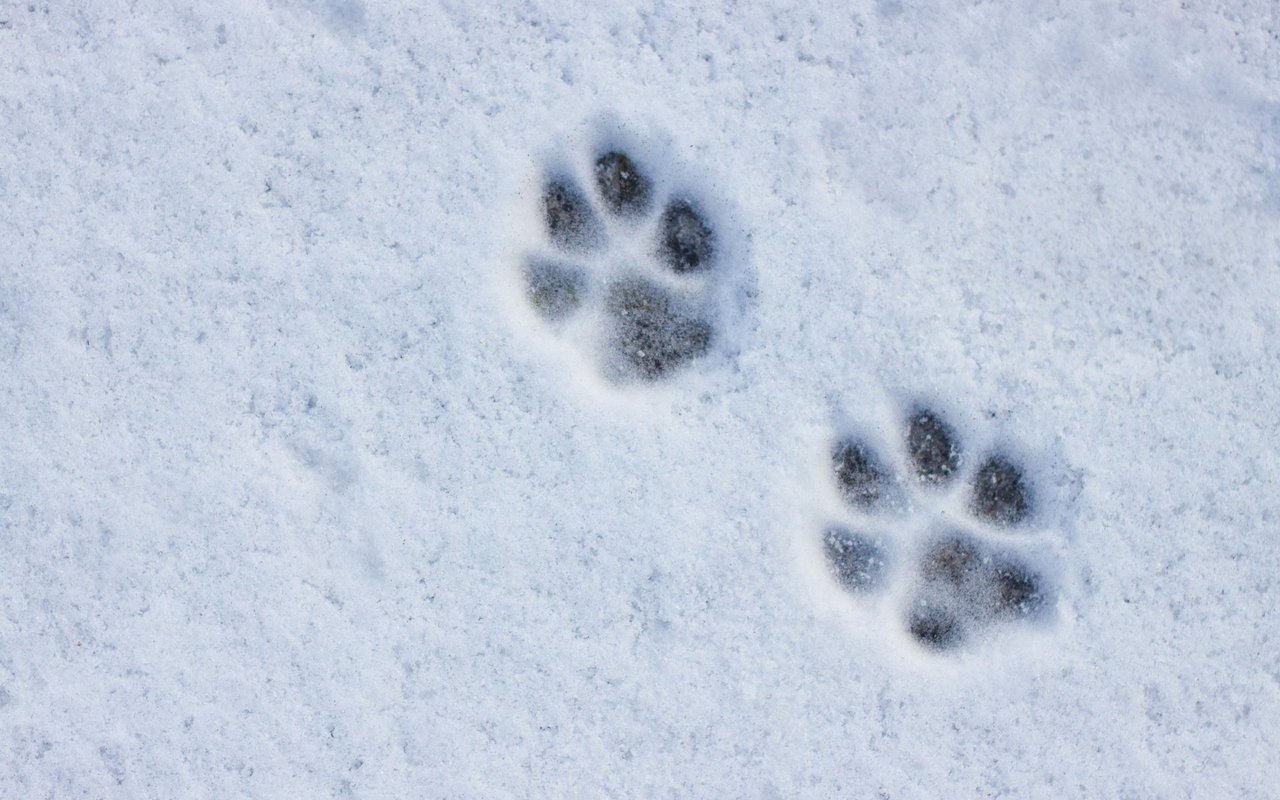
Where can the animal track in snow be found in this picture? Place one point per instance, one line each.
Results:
(943, 535)
(629, 262)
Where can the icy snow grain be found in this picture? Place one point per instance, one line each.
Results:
(304, 496)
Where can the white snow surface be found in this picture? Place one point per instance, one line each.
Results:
(299, 499)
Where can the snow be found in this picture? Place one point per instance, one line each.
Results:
(301, 499)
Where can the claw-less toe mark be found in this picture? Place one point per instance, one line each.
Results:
(623, 188)
(860, 476)
(855, 560)
(1001, 494)
(570, 221)
(687, 243)
(554, 290)
(932, 448)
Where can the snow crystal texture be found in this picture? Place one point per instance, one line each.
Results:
(307, 490)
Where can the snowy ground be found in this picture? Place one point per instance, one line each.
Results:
(301, 499)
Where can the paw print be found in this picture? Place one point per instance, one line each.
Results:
(632, 269)
(947, 545)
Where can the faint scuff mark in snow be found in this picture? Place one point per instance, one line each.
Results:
(315, 434)
(341, 17)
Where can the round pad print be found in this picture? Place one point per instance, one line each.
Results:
(946, 535)
(629, 262)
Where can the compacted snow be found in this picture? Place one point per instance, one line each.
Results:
(864, 400)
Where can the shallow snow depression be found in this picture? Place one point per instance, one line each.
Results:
(896, 420)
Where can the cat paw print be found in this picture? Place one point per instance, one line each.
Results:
(630, 264)
(944, 537)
